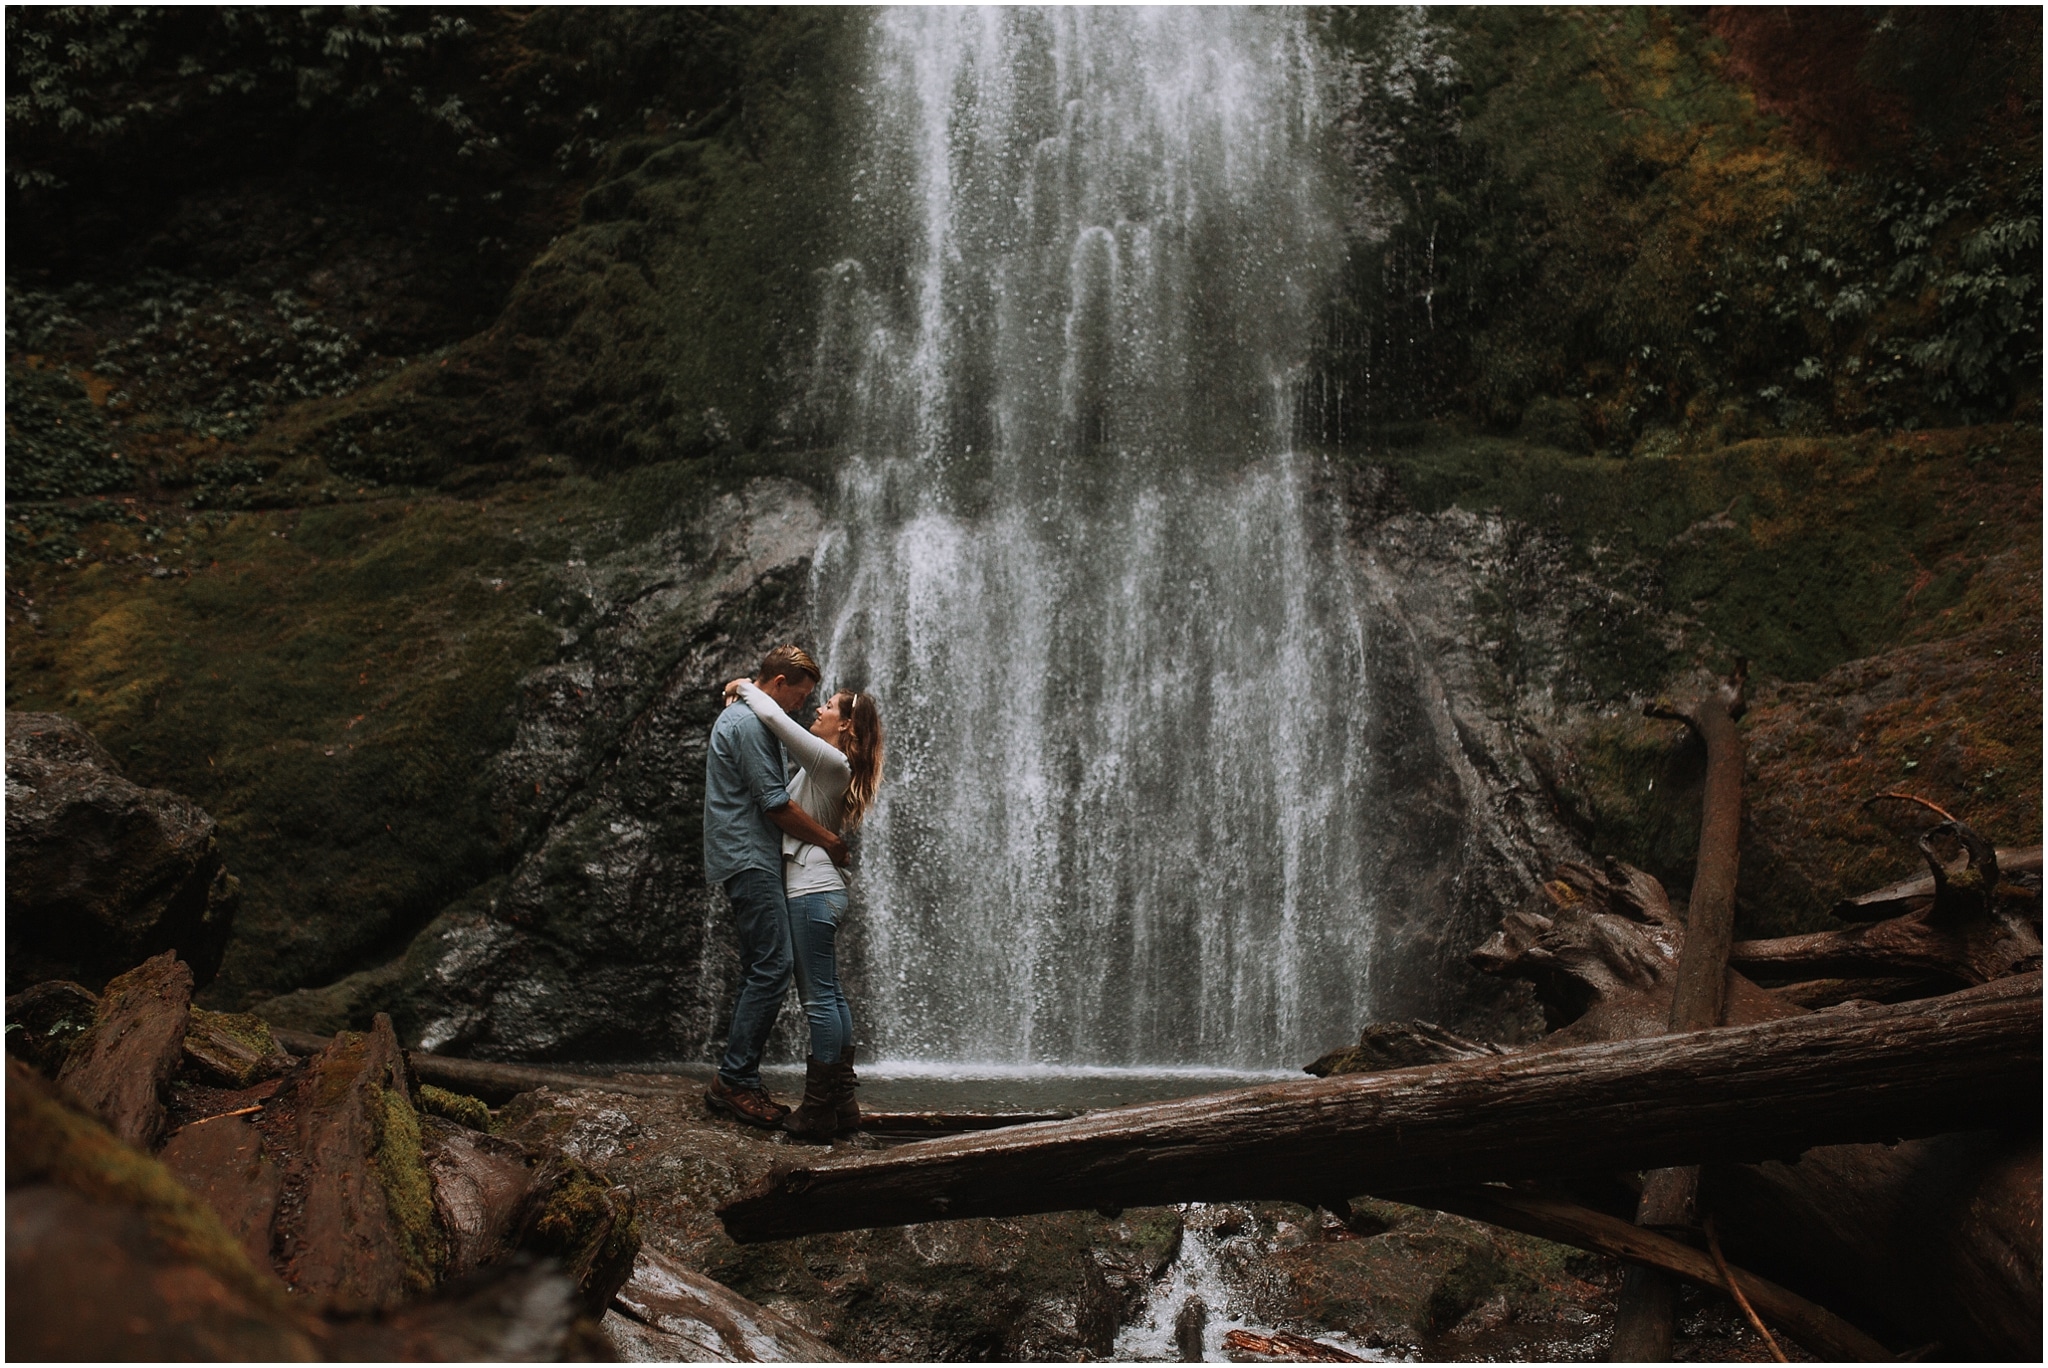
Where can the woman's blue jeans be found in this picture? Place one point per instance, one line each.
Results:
(813, 933)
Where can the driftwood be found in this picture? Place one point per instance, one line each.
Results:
(1646, 1316)
(1826, 1335)
(1962, 925)
(1248, 1346)
(1917, 893)
(119, 1067)
(669, 1313)
(1601, 948)
(1934, 1239)
(1732, 1094)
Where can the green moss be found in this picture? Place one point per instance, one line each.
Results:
(591, 1228)
(408, 1192)
(460, 1108)
(250, 1032)
(1797, 553)
(49, 1142)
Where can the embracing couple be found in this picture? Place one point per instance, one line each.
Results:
(777, 800)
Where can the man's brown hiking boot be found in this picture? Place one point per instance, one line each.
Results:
(751, 1105)
(844, 1081)
(817, 1119)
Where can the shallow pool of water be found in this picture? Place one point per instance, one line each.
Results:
(911, 1086)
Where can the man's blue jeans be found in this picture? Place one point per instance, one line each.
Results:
(761, 916)
(814, 931)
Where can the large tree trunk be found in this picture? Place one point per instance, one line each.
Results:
(1646, 1316)
(1734, 1094)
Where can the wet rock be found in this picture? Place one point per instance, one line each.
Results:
(355, 1231)
(605, 941)
(101, 873)
(119, 1067)
(46, 1019)
(481, 1185)
(1399, 1045)
(109, 1257)
(1007, 1290)
(1188, 1324)
(667, 1313)
(233, 1049)
(1457, 1288)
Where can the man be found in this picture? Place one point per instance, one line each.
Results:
(746, 810)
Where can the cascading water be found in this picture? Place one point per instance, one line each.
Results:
(1115, 639)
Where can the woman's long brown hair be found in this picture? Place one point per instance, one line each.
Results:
(863, 752)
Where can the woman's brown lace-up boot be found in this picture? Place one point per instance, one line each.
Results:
(816, 1118)
(844, 1081)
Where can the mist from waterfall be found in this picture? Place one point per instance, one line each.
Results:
(1115, 638)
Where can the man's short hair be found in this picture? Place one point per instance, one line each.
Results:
(788, 661)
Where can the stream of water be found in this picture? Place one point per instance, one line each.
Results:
(1115, 637)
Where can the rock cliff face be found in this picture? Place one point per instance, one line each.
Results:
(603, 939)
(411, 543)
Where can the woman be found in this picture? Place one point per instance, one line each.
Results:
(841, 762)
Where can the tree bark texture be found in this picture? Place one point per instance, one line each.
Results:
(1646, 1317)
(1734, 1094)
(120, 1067)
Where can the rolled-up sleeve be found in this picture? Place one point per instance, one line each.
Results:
(761, 771)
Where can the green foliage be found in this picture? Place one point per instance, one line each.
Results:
(1583, 210)
(58, 445)
(1800, 554)
(92, 73)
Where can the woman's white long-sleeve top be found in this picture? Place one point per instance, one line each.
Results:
(819, 788)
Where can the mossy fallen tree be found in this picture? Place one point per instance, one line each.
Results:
(1736, 1094)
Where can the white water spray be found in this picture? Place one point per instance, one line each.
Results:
(1114, 634)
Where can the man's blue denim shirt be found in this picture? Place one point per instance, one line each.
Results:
(743, 779)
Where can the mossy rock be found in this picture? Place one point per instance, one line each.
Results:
(460, 1108)
(234, 1049)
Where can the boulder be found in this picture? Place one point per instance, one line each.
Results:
(109, 1257)
(119, 1067)
(103, 873)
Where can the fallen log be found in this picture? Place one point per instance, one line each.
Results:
(497, 1083)
(1823, 1333)
(1910, 895)
(1733, 1094)
(1963, 927)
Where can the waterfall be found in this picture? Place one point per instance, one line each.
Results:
(1115, 637)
